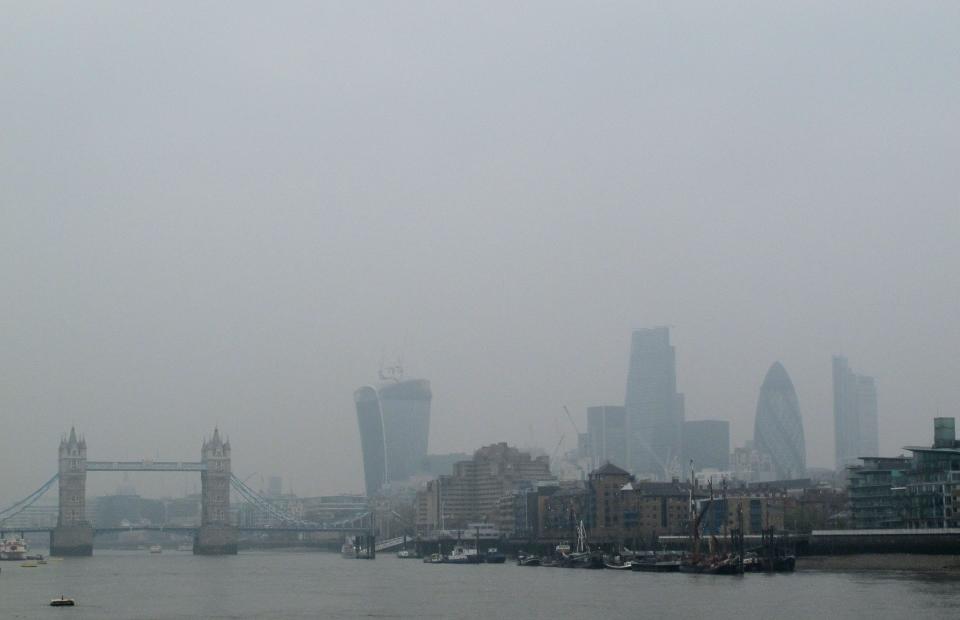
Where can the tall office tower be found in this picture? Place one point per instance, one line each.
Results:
(394, 422)
(855, 425)
(606, 436)
(707, 443)
(778, 428)
(654, 408)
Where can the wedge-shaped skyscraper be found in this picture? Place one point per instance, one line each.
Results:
(394, 422)
(778, 428)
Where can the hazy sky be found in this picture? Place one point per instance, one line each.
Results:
(225, 213)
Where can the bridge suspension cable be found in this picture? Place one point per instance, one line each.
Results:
(26, 502)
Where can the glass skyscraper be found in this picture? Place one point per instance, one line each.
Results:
(855, 426)
(394, 423)
(778, 428)
(654, 408)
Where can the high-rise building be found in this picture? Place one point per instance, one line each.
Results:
(606, 437)
(707, 443)
(778, 428)
(855, 426)
(654, 408)
(394, 422)
(472, 492)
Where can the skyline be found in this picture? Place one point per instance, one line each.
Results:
(224, 215)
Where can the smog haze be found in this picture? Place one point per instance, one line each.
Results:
(229, 214)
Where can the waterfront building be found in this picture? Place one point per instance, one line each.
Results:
(855, 425)
(917, 491)
(471, 493)
(707, 443)
(759, 510)
(394, 423)
(870, 489)
(654, 408)
(778, 427)
(606, 436)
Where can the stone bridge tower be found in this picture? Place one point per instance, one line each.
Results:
(73, 534)
(216, 535)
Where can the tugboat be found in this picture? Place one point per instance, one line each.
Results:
(494, 557)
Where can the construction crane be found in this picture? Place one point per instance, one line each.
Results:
(572, 423)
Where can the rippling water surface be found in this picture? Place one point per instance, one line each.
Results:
(118, 584)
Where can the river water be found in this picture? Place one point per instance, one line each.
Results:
(288, 584)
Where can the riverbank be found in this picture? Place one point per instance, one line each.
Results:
(881, 561)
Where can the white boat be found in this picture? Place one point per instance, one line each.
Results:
(348, 550)
(156, 549)
(13, 549)
(463, 555)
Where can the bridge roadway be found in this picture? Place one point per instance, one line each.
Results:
(145, 465)
(178, 529)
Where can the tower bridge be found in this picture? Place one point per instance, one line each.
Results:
(73, 535)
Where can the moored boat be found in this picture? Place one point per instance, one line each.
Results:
(528, 560)
(493, 556)
(156, 549)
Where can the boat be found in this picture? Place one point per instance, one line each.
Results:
(185, 547)
(13, 549)
(156, 549)
(405, 554)
(62, 602)
(664, 564)
(493, 556)
(624, 566)
(528, 560)
(348, 550)
(583, 557)
(30, 564)
(433, 558)
(463, 555)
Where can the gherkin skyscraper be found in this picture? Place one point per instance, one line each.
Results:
(778, 428)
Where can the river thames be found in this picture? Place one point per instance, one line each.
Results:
(289, 584)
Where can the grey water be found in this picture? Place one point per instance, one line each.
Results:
(287, 584)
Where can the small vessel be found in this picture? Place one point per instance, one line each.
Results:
(13, 549)
(463, 555)
(493, 556)
(528, 560)
(184, 547)
(433, 558)
(348, 550)
(624, 566)
(156, 549)
(29, 564)
(62, 602)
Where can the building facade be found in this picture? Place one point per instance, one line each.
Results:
(917, 491)
(394, 424)
(473, 492)
(778, 427)
(707, 443)
(654, 408)
(855, 422)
